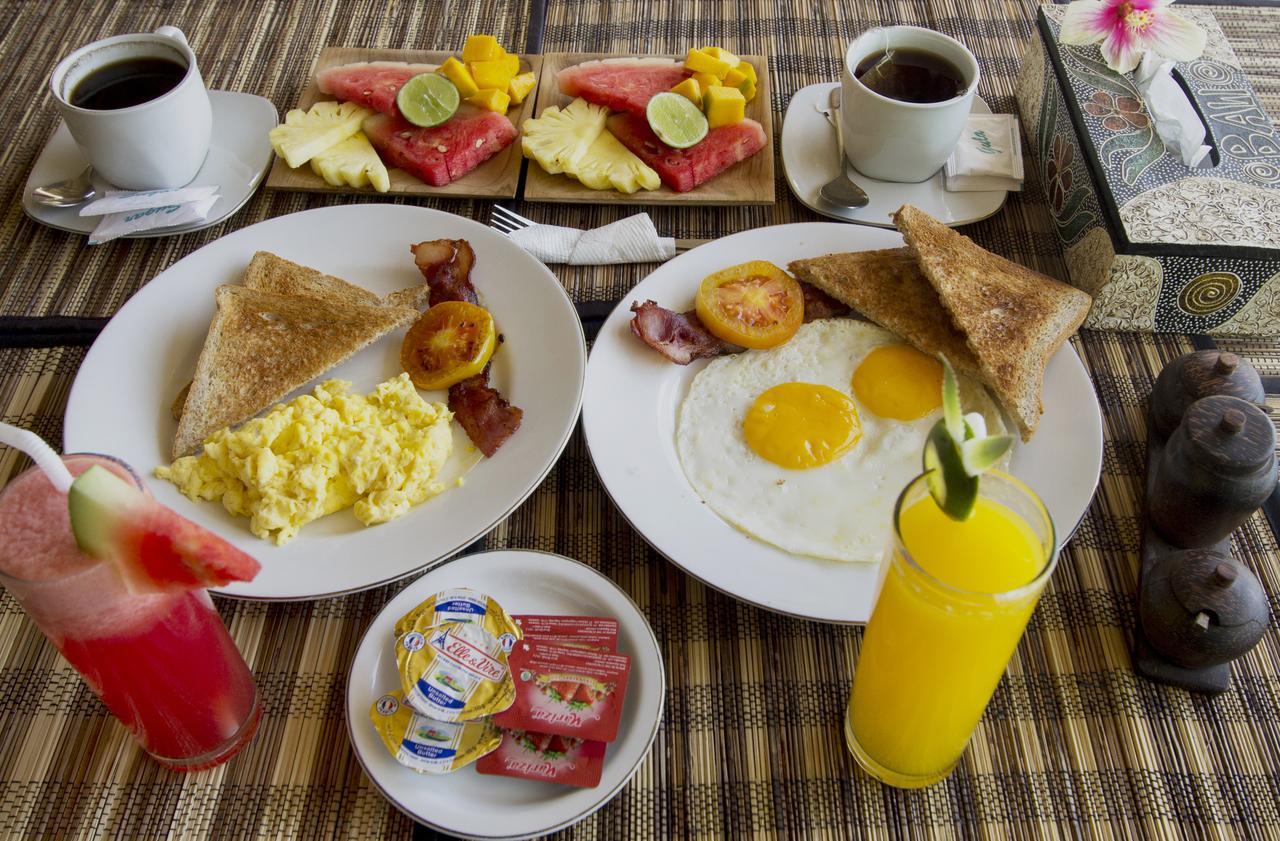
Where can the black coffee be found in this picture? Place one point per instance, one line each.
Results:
(126, 83)
(911, 76)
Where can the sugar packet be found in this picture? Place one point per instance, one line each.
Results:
(988, 155)
(122, 201)
(115, 225)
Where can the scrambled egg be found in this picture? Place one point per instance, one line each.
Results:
(320, 453)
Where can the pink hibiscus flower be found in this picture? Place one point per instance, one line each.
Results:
(1127, 28)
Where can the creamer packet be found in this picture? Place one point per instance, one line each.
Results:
(426, 745)
(453, 672)
(462, 605)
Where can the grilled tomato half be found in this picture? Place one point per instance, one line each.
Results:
(755, 305)
(448, 343)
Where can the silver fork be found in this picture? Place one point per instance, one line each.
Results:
(506, 221)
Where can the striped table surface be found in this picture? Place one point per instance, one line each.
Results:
(1073, 744)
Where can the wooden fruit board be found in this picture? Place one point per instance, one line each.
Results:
(747, 182)
(496, 178)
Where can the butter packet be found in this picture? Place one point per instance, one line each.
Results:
(462, 605)
(453, 672)
(428, 746)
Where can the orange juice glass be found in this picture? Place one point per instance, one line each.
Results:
(954, 600)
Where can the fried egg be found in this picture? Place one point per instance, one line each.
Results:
(807, 445)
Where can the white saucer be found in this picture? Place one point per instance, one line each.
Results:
(239, 156)
(809, 160)
(466, 803)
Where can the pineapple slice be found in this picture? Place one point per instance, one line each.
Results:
(352, 162)
(608, 163)
(559, 138)
(303, 135)
(521, 86)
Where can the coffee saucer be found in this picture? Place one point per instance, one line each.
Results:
(809, 161)
(239, 156)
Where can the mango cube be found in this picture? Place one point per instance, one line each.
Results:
(724, 106)
(705, 80)
(513, 63)
(747, 69)
(734, 78)
(520, 87)
(494, 74)
(690, 90)
(700, 62)
(457, 72)
(481, 48)
(748, 89)
(491, 99)
(722, 54)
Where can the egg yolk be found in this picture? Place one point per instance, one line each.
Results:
(899, 382)
(802, 425)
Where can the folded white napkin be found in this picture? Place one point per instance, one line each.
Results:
(630, 240)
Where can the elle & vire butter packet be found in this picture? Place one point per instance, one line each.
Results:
(462, 605)
(453, 672)
(426, 745)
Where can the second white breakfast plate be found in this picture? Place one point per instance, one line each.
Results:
(473, 805)
(120, 401)
(633, 396)
(239, 155)
(809, 160)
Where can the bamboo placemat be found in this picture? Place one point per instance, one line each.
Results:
(1073, 745)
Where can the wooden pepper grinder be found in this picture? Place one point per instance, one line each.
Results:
(1210, 464)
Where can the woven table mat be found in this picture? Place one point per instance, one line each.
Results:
(1073, 744)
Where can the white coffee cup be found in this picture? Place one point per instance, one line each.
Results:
(895, 140)
(161, 143)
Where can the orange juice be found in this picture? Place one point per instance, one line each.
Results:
(954, 600)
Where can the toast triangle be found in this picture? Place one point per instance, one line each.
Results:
(1014, 318)
(262, 345)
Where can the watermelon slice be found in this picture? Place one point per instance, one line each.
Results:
(443, 153)
(621, 84)
(155, 549)
(684, 169)
(373, 84)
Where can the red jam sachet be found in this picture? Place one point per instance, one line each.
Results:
(566, 691)
(598, 632)
(567, 760)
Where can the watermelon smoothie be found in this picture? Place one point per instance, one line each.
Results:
(162, 663)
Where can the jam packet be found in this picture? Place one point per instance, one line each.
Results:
(597, 632)
(567, 760)
(566, 691)
(426, 745)
(461, 605)
(453, 672)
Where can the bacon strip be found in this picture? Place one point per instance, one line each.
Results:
(446, 266)
(818, 304)
(680, 337)
(487, 418)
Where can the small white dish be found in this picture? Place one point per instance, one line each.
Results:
(631, 404)
(239, 156)
(809, 161)
(474, 805)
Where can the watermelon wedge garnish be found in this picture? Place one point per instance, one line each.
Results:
(443, 153)
(373, 84)
(684, 169)
(154, 549)
(621, 84)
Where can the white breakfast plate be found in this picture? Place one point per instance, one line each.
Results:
(632, 399)
(119, 403)
(239, 156)
(475, 805)
(809, 160)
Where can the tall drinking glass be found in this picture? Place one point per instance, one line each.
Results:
(162, 663)
(954, 600)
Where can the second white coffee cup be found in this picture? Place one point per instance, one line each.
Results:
(895, 140)
(158, 144)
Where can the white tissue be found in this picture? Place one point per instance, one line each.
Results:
(630, 240)
(1176, 121)
(115, 225)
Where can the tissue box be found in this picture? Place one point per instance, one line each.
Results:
(1160, 247)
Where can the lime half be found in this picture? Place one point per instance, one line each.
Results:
(428, 99)
(677, 121)
(955, 491)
